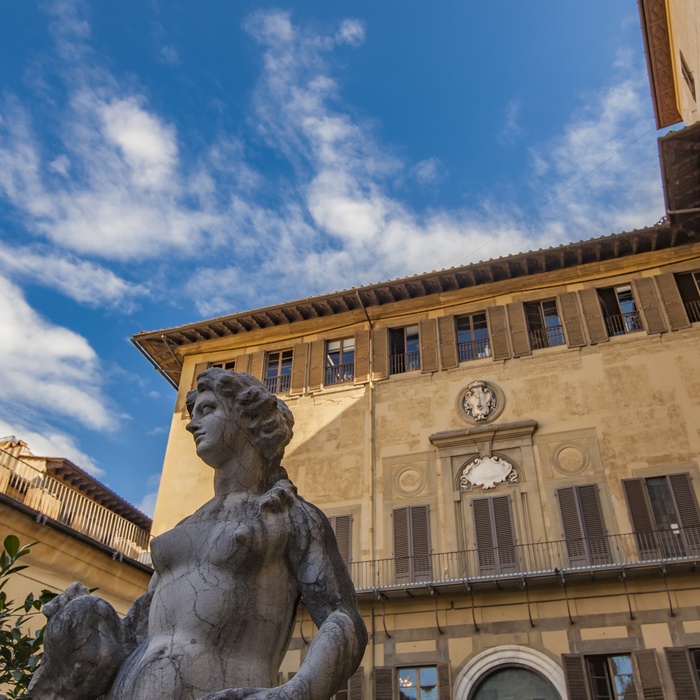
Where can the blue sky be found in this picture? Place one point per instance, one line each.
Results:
(161, 163)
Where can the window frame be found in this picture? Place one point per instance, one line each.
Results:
(621, 322)
(401, 358)
(541, 333)
(333, 374)
(473, 348)
(418, 686)
(281, 381)
(688, 284)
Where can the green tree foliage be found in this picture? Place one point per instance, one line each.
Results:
(20, 650)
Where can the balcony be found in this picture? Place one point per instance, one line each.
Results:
(52, 499)
(474, 349)
(547, 337)
(599, 557)
(338, 374)
(693, 310)
(279, 384)
(404, 362)
(621, 324)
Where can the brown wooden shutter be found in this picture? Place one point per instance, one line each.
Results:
(383, 682)
(198, 368)
(280, 678)
(420, 543)
(448, 342)
(649, 303)
(687, 511)
(355, 685)
(505, 535)
(495, 538)
(318, 364)
(444, 685)
(361, 357)
(642, 518)
(484, 536)
(257, 361)
(593, 315)
(242, 363)
(649, 675)
(299, 354)
(672, 301)
(380, 361)
(402, 545)
(342, 527)
(593, 524)
(428, 345)
(575, 673)
(498, 332)
(518, 329)
(682, 673)
(573, 529)
(572, 319)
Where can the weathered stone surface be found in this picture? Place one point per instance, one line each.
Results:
(220, 610)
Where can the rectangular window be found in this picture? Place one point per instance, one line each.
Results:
(404, 350)
(340, 361)
(543, 324)
(584, 530)
(611, 677)
(412, 560)
(664, 515)
(418, 683)
(230, 364)
(495, 537)
(689, 287)
(620, 310)
(472, 337)
(278, 374)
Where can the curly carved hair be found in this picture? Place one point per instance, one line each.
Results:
(265, 418)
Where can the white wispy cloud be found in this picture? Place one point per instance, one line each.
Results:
(147, 504)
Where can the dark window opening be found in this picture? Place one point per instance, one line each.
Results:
(340, 361)
(611, 677)
(472, 337)
(405, 350)
(543, 324)
(689, 288)
(231, 364)
(278, 375)
(620, 310)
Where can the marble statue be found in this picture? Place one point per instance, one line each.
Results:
(217, 618)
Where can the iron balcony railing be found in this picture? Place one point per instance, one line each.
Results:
(693, 310)
(547, 337)
(542, 558)
(404, 362)
(338, 374)
(621, 324)
(474, 349)
(279, 384)
(53, 499)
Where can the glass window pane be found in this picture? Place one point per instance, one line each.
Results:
(333, 346)
(512, 683)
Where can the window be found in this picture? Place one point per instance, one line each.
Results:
(611, 677)
(231, 364)
(404, 350)
(495, 538)
(472, 337)
(418, 683)
(584, 530)
(664, 515)
(543, 324)
(513, 681)
(342, 527)
(340, 361)
(689, 287)
(684, 665)
(412, 560)
(619, 310)
(278, 375)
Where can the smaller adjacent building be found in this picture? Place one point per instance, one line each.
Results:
(82, 530)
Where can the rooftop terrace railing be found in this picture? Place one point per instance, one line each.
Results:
(51, 498)
(611, 552)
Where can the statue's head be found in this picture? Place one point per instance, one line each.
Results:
(479, 400)
(250, 407)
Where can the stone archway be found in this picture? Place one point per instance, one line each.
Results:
(508, 656)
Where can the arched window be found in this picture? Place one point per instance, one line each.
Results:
(513, 682)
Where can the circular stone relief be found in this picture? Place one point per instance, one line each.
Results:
(570, 458)
(410, 481)
(480, 402)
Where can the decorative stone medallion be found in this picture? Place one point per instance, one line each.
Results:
(487, 472)
(410, 481)
(480, 401)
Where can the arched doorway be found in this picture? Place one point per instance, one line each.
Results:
(495, 672)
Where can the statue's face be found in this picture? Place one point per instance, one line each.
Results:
(215, 429)
(479, 401)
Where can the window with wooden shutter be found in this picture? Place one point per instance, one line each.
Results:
(299, 355)
(648, 674)
(404, 350)
(380, 350)
(355, 685)
(576, 677)
(448, 342)
(544, 327)
(412, 558)
(340, 361)
(383, 683)
(342, 527)
(257, 361)
(584, 530)
(518, 329)
(472, 337)
(672, 301)
(649, 302)
(499, 334)
(361, 357)
(198, 369)
(568, 303)
(495, 537)
(422, 682)
(316, 364)
(593, 314)
(444, 684)
(689, 288)
(242, 363)
(684, 665)
(428, 360)
(664, 515)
